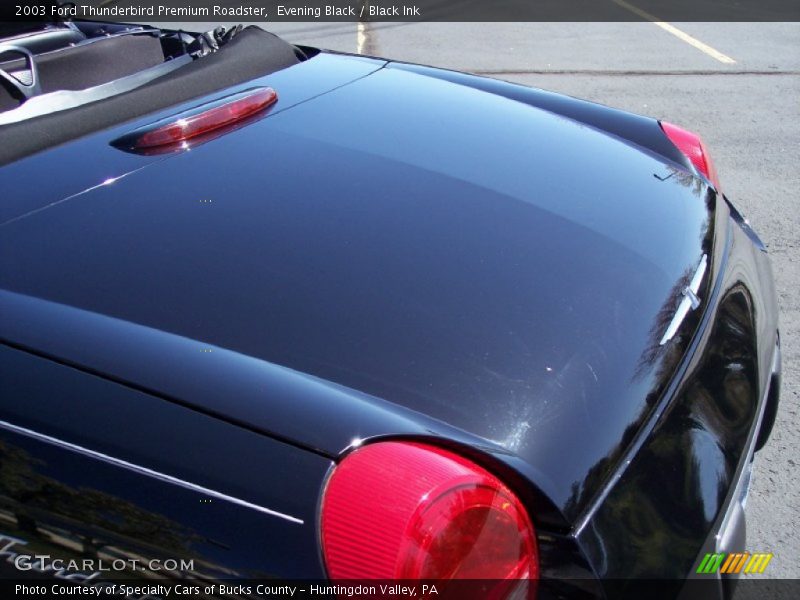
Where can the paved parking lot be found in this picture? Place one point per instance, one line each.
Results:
(746, 108)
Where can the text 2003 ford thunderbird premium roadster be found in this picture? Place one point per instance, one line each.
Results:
(275, 312)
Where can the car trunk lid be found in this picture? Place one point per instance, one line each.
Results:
(468, 257)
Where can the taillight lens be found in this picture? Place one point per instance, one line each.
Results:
(397, 510)
(695, 150)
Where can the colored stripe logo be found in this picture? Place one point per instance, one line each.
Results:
(734, 562)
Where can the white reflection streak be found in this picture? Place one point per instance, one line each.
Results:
(105, 182)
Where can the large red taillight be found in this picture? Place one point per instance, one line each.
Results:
(398, 510)
(695, 150)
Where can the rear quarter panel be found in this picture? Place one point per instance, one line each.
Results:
(670, 493)
(71, 504)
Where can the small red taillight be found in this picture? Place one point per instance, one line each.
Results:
(397, 510)
(205, 118)
(695, 150)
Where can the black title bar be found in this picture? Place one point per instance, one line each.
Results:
(404, 10)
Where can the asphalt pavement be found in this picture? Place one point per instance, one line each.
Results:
(736, 84)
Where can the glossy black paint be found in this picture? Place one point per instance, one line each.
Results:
(398, 252)
(46, 487)
(670, 500)
(449, 277)
(72, 169)
(643, 131)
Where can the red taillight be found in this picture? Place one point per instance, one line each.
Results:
(695, 150)
(206, 118)
(397, 510)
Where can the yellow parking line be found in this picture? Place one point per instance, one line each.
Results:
(716, 54)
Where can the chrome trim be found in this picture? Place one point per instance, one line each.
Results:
(690, 301)
(667, 396)
(147, 472)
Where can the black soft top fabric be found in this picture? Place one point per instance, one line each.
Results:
(90, 64)
(252, 53)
